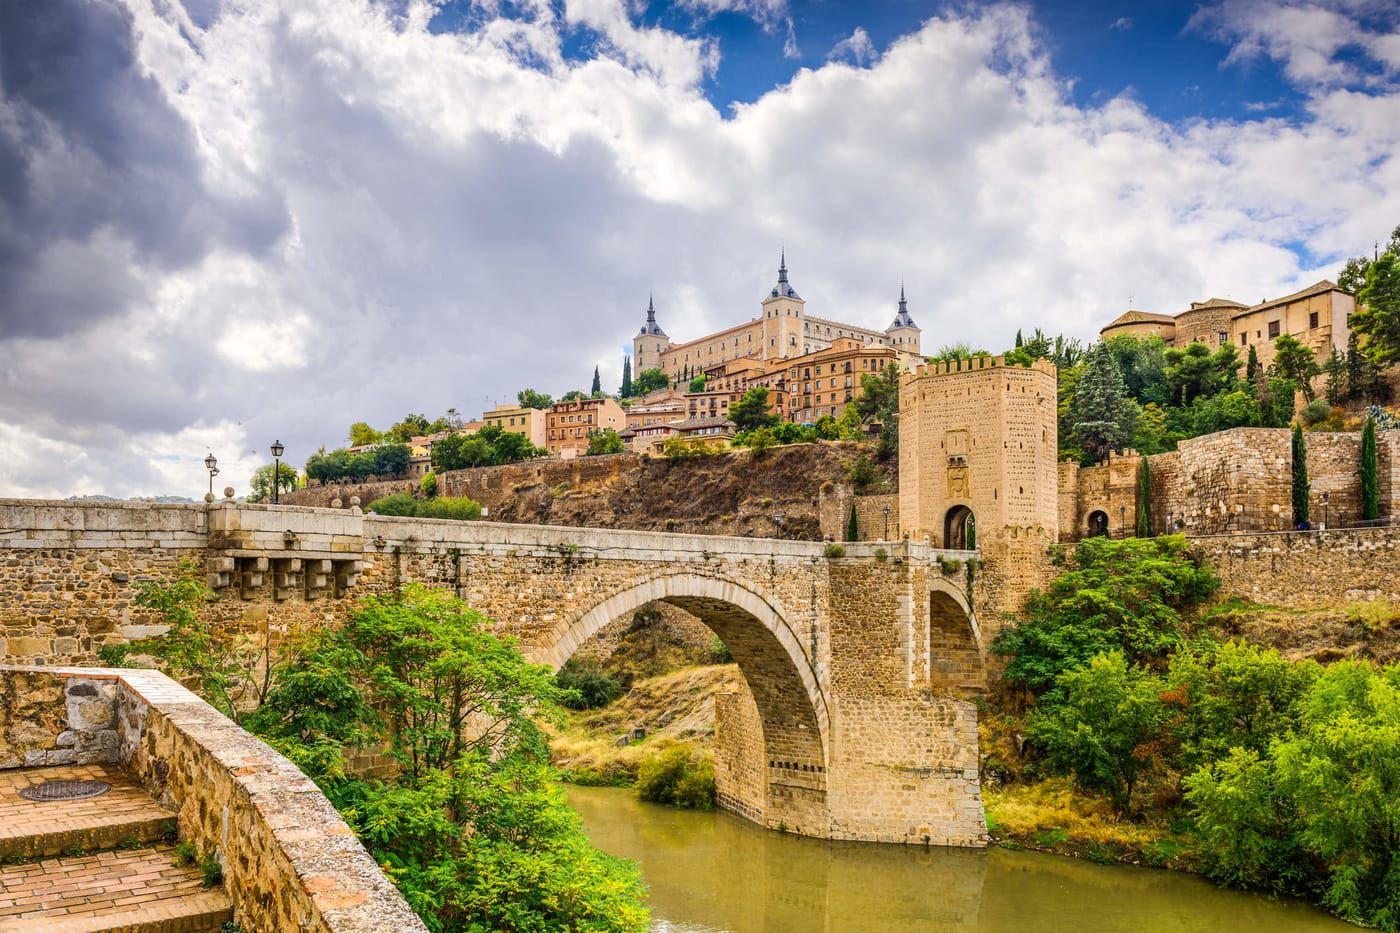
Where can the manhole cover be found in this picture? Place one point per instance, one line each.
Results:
(65, 790)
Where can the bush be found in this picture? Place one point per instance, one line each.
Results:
(679, 776)
(589, 686)
(719, 651)
(834, 550)
(429, 485)
(401, 503)
(862, 472)
(382, 460)
(1315, 412)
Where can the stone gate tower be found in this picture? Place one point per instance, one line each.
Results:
(977, 452)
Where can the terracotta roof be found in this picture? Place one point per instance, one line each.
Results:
(1138, 317)
(1317, 288)
(714, 421)
(1214, 303)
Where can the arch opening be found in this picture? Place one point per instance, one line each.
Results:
(1096, 525)
(785, 784)
(960, 529)
(956, 661)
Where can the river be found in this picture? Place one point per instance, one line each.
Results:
(715, 872)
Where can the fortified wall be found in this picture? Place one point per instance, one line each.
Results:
(1229, 482)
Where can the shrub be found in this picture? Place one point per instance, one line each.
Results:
(429, 484)
(834, 550)
(679, 776)
(400, 503)
(458, 507)
(1315, 412)
(719, 651)
(862, 472)
(589, 686)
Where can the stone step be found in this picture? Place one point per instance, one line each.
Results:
(134, 891)
(123, 817)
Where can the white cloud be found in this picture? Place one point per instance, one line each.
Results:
(1122, 22)
(857, 47)
(462, 215)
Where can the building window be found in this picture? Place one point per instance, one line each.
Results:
(1224, 338)
(1273, 329)
(1244, 340)
(1312, 319)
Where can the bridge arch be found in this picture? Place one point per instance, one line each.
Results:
(957, 656)
(791, 702)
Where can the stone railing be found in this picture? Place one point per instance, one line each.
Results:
(290, 862)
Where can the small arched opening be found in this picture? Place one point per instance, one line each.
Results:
(956, 662)
(1097, 524)
(960, 529)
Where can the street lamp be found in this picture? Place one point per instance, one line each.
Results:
(277, 449)
(1324, 511)
(778, 523)
(887, 524)
(212, 465)
(1123, 521)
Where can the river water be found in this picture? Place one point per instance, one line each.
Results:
(715, 872)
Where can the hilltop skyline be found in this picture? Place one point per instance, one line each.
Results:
(225, 223)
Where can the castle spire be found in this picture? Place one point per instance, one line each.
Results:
(782, 267)
(783, 289)
(902, 319)
(651, 328)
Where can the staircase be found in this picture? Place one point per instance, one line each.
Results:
(98, 863)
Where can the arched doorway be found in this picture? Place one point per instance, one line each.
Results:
(960, 529)
(1097, 526)
(790, 790)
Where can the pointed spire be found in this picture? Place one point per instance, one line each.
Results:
(651, 328)
(651, 309)
(902, 319)
(782, 267)
(903, 305)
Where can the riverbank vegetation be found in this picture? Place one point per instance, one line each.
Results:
(1185, 750)
(469, 823)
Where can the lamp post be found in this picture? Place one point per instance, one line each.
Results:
(887, 524)
(277, 450)
(1122, 521)
(1324, 511)
(778, 523)
(212, 465)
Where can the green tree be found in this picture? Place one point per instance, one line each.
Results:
(573, 395)
(852, 527)
(1123, 595)
(1247, 825)
(649, 380)
(1336, 389)
(1142, 362)
(529, 398)
(1194, 371)
(751, 411)
(1101, 413)
(605, 441)
(597, 383)
(1144, 500)
(1301, 486)
(1370, 482)
(697, 384)
(879, 402)
(1355, 366)
(1377, 316)
(411, 426)
(1097, 732)
(1151, 433)
(260, 486)
(626, 389)
(1252, 369)
(361, 435)
(1294, 360)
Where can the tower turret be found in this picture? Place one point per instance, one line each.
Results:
(904, 333)
(782, 317)
(651, 341)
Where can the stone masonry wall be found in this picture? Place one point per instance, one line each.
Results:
(290, 862)
(872, 522)
(1306, 570)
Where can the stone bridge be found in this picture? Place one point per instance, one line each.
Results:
(861, 666)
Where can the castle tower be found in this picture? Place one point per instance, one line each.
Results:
(977, 466)
(651, 341)
(903, 333)
(782, 317)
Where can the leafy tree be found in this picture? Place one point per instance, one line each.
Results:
(1101, 413)
(953, 352)
(1224, 410)
(1144, 500)
(587, 684)
(491, 446)
(1294, 360)
(649, 380)
(529, 398)
(361, 434)
(573, 395)
(1377, 316)
(1370, 482)
(697, 384)
(828, 428)
(1355, 366)
(1252, 369)
(1151, 433)
(382, 460)
(1142, 362)
(597, 383)
(862, 472)
(429, 484)
(1336, 388)
(751, 411)
(1194, 371)
(626, 390)
(1301, 486)
(879, 401)
(1098, 731)
(679, 776)
(1123, 595)
(410, 427)
(260, 486)
(605, 441)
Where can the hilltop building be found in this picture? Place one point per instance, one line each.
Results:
(517, 419)
(568, 424)
(1317, 316)
(783, 330)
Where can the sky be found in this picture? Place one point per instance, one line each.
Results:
(224, 222)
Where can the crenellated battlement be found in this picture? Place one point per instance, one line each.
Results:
(976, 364)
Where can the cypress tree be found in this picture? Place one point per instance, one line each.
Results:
(1144, 501)
(852, 528)
(1019, 341)
(1336, 379)
(1251, 369)
(1370, 482)
(597, 383)
(1301, 486)
(626, 391)
(1355, 363)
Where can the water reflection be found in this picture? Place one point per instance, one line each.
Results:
(713, 871)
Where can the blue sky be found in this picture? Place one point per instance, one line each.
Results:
(241, 221)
